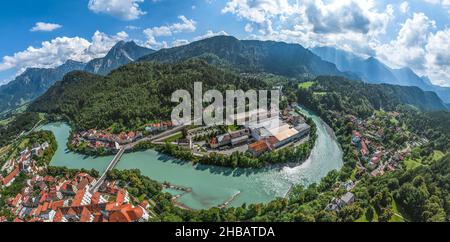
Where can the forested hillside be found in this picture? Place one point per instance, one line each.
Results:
(141, 92)
(134, 94)
(360, 98)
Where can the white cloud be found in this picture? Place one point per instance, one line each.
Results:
(335, 16)
(404, 7)
(122, 9)
(248, 28)
(101, 43)
(57, 51)
(438, 57)
(408, 48)
(179, 42)
(132, 27)
(186, 25)
(357, 26)
(445, 4)
(44, 27)
(210, 34)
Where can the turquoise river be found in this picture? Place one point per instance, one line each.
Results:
(212, 185)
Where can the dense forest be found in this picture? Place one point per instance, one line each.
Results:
(139, 93)
(134, 94)
(434, 125)
(359, 98)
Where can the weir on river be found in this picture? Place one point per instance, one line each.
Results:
(212, 185)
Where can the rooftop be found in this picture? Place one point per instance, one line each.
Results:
(259, 146)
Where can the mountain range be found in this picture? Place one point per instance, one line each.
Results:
(248, 56)
(374, 71)
(251, 56)
(35, 81)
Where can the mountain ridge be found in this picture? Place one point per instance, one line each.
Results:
(251, 56)
(35, 81)
(32, 83)
(374, 71)
(120, 54)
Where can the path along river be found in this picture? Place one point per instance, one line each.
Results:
(212, 186)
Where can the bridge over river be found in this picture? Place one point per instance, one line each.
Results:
(124, 148)
(211, 185)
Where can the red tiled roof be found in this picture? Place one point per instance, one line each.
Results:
(85, 215)
(95, 198)
(78, 198)
(57, 204)
(83, 183)
(120, 199)
(213, 141)
(17, 220)
(71, 211)
(16, 200)
(126, 213)
(11, 176)
(144, 204)
(98, 218)
(58, 216)
(48, 179)
(258, 146)
(111, 206)
(38, 210)
(364, 149)
(44, 207)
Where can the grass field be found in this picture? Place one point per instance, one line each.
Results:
(411, 164)
(363, 218)
(397, 215)
(233, 128)
(320, 93)
(305, 85)
(394, 121)
(5, 121)
(437, 155)
(174, 138)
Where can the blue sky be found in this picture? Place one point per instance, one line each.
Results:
(46, 33)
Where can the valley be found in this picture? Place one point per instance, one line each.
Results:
(375, 152)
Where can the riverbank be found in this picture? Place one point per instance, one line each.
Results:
(212, 185)
(286, 155)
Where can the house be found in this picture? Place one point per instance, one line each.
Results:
(348, 198)
(258, 148)
(364, 149)
(98, 198)
(128, 213)
(17, 200)
(86, 216)
(338, 203)
(122, 197)
(83, 197)
(10, 177)
(220, 141)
